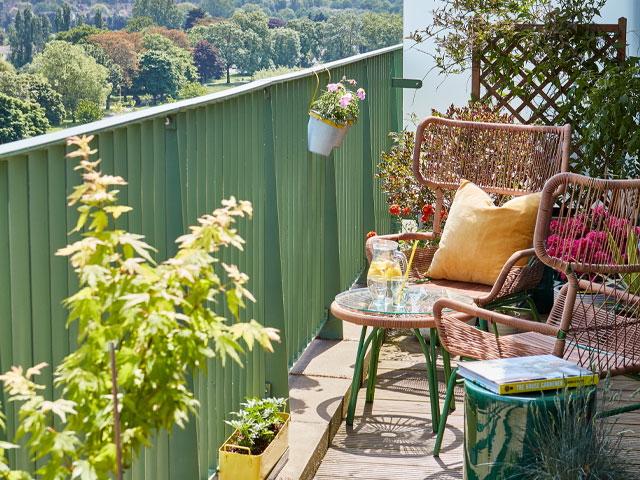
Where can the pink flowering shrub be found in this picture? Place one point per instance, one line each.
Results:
(339, 103)
(598, 238)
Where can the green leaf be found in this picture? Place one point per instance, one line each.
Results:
(7, 445)
(225, 345)
(134, 299)
(100, 221)
(118, 210)
(82, 219)
(233, 302)
(139, 246)
(83, 470)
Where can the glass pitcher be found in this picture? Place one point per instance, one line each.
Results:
(386, 261)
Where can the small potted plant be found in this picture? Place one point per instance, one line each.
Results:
(260, 438)
(332, 115)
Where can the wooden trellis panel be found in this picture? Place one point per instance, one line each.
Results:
(539, 104)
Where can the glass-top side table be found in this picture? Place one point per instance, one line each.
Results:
(356, 306)
(419, 301)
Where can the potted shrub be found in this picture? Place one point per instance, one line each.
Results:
(260, 438)
(332, 115)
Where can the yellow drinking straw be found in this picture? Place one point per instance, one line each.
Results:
(406, 274)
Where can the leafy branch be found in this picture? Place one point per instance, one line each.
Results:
(161, 317)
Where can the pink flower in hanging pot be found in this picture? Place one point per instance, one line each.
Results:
(361, 93)
(332, 87)
(345, 100)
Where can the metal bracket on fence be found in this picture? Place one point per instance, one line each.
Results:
(406, 83)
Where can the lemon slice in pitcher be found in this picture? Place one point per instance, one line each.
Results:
(377, 268)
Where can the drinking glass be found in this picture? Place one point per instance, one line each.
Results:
(432, 296)
(398, 295)
(377, 285)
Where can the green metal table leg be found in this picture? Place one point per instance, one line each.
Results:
(482, 325)
(446, 359)
(356, 381)
(433, 385)
(433, 343)
(357, 373)
(373, 365)
(445, 412)
(363, 335)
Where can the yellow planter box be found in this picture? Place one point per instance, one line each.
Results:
(236, 466)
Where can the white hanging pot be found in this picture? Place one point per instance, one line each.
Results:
(322, 134)
(343, 133)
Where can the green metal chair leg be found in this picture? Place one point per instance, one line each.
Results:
(373, 365)
(533, 309)
(495, 329)
(433, 386)
(618, 411)
(357, 373)
(445, 412)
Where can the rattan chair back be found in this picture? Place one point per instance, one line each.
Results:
(589, 229)
(503, 159)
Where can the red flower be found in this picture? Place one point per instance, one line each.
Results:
(442, 214)
(406, 211)
(424, 219)
(371, 234)
(394, 209)
(427, 210)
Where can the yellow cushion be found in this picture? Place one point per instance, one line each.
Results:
(479, 237)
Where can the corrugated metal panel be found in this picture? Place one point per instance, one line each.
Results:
(180, 160)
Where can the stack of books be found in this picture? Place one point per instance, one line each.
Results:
(511, 376)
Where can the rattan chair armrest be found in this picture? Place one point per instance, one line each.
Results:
(396, 237)
(519, 323)
(497, 286)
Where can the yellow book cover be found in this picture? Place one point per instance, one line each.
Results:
(550, 384)
(512, 376)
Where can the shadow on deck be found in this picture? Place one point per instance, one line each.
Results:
(392, 438)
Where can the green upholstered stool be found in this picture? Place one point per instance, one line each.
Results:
(495, 427)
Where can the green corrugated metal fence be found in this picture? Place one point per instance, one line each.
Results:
(304, 244)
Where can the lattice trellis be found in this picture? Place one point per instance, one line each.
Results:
(546, 88)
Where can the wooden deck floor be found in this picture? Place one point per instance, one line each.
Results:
(392, 438)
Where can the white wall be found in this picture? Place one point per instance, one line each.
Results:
(439, 92)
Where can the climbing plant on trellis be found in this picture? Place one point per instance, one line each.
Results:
(531, 83)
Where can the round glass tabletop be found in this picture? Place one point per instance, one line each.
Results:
(419, 300)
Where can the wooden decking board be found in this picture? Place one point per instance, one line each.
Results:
(392, 439)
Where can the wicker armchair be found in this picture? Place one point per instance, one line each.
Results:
(505, 160)
(595, 321)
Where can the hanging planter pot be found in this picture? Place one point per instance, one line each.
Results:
(343, 134)
(323, 134)
(331, 115)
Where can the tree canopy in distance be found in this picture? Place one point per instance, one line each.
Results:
(197, 41)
